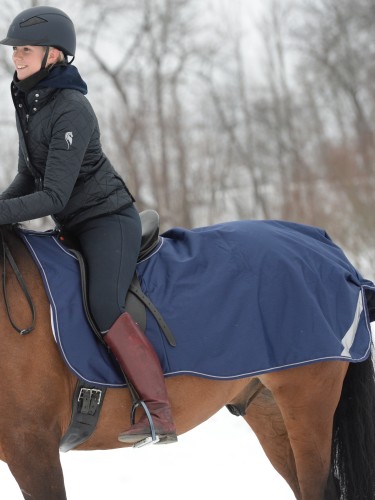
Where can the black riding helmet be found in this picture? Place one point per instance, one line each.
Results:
(44, 26)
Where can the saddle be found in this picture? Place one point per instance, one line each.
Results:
(87, 398)
(136, 301)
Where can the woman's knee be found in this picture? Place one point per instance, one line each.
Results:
(105, 311)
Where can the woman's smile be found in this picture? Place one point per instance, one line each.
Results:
(27, 60)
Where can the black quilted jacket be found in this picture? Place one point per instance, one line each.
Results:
(62, 170)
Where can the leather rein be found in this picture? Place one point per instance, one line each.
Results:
(7, 255)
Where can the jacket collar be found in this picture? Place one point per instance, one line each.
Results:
(61, 76)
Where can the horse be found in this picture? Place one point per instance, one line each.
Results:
(314, 420)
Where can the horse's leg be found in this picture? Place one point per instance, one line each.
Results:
(265, 419)
(35, 407)
(307, 397)
(33, 458)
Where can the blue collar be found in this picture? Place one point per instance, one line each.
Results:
(64, 77)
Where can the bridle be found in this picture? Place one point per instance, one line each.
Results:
(7, 255)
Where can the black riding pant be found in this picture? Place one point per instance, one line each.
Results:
(110, 245)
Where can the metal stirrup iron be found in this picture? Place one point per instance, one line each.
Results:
(154, 438)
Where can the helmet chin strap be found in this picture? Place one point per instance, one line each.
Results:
(45, 57)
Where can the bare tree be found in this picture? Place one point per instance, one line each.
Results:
(151, 119)
(335, 40)
(335, 51)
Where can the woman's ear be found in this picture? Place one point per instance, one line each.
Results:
(54, 55)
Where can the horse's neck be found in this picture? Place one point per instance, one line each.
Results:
(15, 254)
(9, 237)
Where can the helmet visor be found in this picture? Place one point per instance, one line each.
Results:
(17, 42)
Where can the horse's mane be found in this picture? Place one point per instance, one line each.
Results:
(9, 234)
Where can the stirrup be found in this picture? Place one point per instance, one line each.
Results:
(154, 438)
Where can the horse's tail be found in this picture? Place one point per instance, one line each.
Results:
(353, 447)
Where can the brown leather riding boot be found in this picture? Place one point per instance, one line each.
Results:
(139, 362)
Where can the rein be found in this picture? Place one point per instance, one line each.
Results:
(7, 255)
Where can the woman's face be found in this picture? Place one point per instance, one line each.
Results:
(27, 60)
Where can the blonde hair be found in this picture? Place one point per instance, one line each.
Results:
(61, 57)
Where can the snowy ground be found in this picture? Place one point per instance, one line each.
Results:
(218, 460)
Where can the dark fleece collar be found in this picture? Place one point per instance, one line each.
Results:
(61, 76)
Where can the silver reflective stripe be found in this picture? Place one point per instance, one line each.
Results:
(349, 337)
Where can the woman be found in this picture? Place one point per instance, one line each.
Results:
(63, 172)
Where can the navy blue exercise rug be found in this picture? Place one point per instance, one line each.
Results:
(241, 298)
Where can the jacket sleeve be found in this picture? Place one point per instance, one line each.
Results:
(63, 165)
(22, 184)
